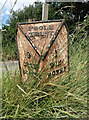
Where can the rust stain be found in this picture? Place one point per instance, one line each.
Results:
(39, 38)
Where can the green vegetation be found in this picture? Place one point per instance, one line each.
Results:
(9, 47)
(66, 98)
(71, 12)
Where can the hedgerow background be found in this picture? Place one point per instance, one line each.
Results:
(67, 98)
(73, 13)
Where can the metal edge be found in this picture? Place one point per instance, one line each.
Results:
(43, 22)
(36, 22)
(29, 40)
(68, 57)
(53, 39)
(51, 42)
(18, 53)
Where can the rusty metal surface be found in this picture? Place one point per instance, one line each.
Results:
(47, 40)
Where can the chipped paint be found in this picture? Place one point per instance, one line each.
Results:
(42, 39)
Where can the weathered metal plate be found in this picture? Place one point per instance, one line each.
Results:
(47, 41)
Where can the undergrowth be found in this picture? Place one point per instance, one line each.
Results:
(66, 98)
(9, 52)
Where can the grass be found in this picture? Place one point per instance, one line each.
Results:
(9, 52)
(66, 98)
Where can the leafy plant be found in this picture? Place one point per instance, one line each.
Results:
(66, 98)
(71, 12)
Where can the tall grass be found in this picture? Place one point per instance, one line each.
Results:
(9, 52)
(66, 98)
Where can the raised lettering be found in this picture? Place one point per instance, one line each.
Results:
(51, 32)
(28, 55)
(59, 62)
(51, 27)
(57, 71)
(53, 73)
(51, 65)
(30, 28)
(49, 75)
(36, 33)
(35, 28)
(41, 28)
(45, 28)
(55, 53)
